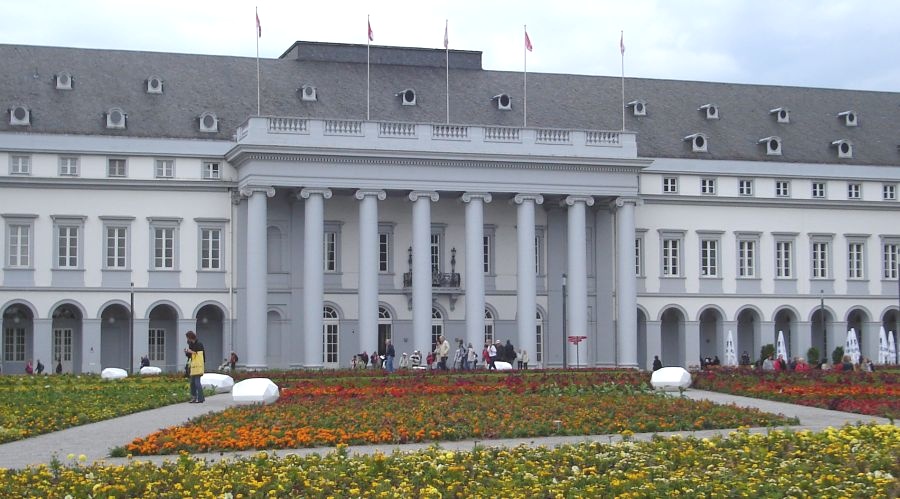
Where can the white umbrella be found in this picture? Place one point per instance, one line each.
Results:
(851, 346)
(730, 353)
(882, 347)
(892, 348)
(781, 348)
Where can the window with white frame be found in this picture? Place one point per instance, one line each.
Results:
(437, 326)
(486, 255)
(435, 252)
(856, 260)
(818, 190)
(539, 251)
(784, 265)
(156, 344)
(670, 185)
(330, 333)
(330, 249)
(19, 164)
(889, 192)
(62, 344)
(820, 260)
(854, 190)
(211, 170)
(18, 236)
(782, 188)
(210, 248)
(671, 257)
(890, 252)
(68, 166)
(165, 168)
(709, 257)
(539, 338)
(384, 252)
(164, 243)
(67, 245)
(747, 258)
(488, 327)
(745, 187)
(116, 167)
(708, 186)
(14, 344)
(116, 247)
(639, 256)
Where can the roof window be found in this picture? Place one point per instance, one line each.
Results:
(712, 111)
(504, 103)
(64, 81)
(115, 118)
(773, 145)
(699, 142)
(407, 96)
(19, 116)
(154, 85)
(782, 114)
(844, 148)
(638, 107)
(850, 118)
(308, 93)
(209, 122)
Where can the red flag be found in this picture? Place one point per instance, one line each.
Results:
(622, 43)
(528, 42)
(258, 27)
(446, 38)
(371, 33)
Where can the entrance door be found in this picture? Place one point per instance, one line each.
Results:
(62, 350)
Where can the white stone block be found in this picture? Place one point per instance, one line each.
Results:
(221, 383)
(255, 391)
(502, 366)
(150, 371)
(113, 373)
(671, 379)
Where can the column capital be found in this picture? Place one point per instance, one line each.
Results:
(623, 200)
(571, 200)
(306, 192)
(363, 193)
(248, 190)
(522, 197)
(415, 195)
(469, 196)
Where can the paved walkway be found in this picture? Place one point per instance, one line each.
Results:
(96, 439)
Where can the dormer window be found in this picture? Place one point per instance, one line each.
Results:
(844, 148)
(308, 93)
(115, 118)
(209, 122)
(699, 142)
(850, 118)
(773, 145)
(63, 81)
(782, 114)
(504, 103)
(154, 85)
(19, 116)
(407, 97)
(638, 107)
(711, 110)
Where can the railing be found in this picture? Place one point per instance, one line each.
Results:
(501, 134)
(344, 127)
(598, 138)
(450, 132)
(550, 136)
(438, 280)
(386, 129)
(288, 125)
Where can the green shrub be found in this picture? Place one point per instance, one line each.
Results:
(812, 355)
(837, 355)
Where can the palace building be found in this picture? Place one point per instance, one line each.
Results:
(145, 195)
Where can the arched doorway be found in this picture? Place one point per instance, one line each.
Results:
(330, 336)
(66, 340)
(18, 338)
(710, 324)
(672, 336)
(538, 340)
(820, 322)
(385, 326)
(785, 321)
(857, 319)
(748, 324)
(437, 326)
(115, 346)
(488, 326)
(210, 330)
(162, 340)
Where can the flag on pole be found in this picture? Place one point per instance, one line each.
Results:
(258, 27)
(528, 42)
(371, 33)
(446, 37)
(622, 43)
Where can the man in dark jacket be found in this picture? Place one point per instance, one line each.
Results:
(509, 352)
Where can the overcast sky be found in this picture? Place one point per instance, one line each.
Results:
(853, 44)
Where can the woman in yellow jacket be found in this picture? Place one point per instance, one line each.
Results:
(194, 352)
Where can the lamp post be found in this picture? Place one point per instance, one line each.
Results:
(824, 325)
(564, 338)
(131, 333)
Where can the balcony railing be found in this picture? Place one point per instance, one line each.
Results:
(441, 280)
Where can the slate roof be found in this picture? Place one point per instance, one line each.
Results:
(226, 86)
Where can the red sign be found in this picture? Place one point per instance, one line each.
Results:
(576, 339)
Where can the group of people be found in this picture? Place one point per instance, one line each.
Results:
(465, 357)
(39, 367)
(384, 360)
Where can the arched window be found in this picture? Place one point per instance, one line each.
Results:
(539, 339)
(437, 326)
(330, 329)
(385, 326)
(488, 326)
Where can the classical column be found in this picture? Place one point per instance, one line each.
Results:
(654, 343)
(257, 269)
(421, 270)
(368, 267)
(475, 266)
(801, 337)
(42, 344)
(526, 278)
(313, 278)
(690, 344)
(577, 277)
(626, 284)
(90, 345)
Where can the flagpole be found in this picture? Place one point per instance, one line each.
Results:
(368, 40)
(622, 50)
(447, 58)
(258, 34)
(525, 80)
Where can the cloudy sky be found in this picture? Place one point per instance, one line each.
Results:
(852, 44)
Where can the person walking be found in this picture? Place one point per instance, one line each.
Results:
(471, 358)
(194, 352)
(492, 355)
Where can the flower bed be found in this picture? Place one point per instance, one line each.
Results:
(33, 405)
(415, 408)
(849, 462)
(875, 394)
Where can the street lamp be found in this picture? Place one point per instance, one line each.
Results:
(564, 338)
(131, 333)
(824, 325)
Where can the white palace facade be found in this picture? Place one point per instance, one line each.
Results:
(143, 195)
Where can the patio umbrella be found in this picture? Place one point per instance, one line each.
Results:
(781, 348)
(892, 349)
(730, 353)
(851, 346)
(882, 347)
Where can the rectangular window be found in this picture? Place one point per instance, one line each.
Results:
(746, 258)
(211, 170)
(670, 185)
(435, 253)
(164, 248)
(708, 186)
(745, 187)
(14, 344)
(820, 260)
(330, 251)
(670, 258)
(19, 246)
(116, 168)
(67, 246)
(638, 257)
(116, 240)
(486, 244)
(157, 345)
(165, 168)
(783, 260)
(20, 165)
(891, 255)
(854, 191)
(539, 253)
(889, 192)
(782, 188)
(539, 339)
(68, 166)
(210, 249)
(384, 252)
(62, 345)
(709, 257)
(818, 190)
(855, 263)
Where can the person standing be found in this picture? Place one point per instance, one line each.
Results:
(194, 352)
(657, 364)
(524, 360)
(39, 368)
(232, 361)
(492, 356)
(471, 358)
(443, 352)
(389, 354)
